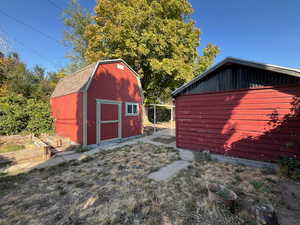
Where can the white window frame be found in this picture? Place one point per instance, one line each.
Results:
(132, 113)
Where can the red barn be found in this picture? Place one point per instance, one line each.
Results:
(101, 102)
(241, 108)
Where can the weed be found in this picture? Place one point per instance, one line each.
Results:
(10, 147)
(289, 167)
(257, 184)
(268, 171)
(190, 167)
(154, 169)
(86, 159)
(10, 181)
(62, 192)
(237, 178)
(121, 167)
(80, 149)
(269, 179)
(266, 188)
(250, 222)
(79, 184)
(239, 170)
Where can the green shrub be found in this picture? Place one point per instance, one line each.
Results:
(80, 149)
(40, 120)
(13, 114)
(257, 184)
(290, 167)
(19, 114)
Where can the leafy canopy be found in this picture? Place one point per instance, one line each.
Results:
(157, 38)
(76, 19)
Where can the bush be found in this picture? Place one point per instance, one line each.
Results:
(163, 114)
(13, 114)
(40, 120)
(290, 167)
(19, 114)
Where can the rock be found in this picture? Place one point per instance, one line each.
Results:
(265, 214)
(219, 193)
(85, 158)
(202, 155)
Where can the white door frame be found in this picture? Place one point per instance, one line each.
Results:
(99, 122)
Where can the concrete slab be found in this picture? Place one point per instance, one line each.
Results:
(51, 162)
(186, 155)
(245, 162)
(169, 171)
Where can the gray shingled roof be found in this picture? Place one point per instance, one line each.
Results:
(75, 82)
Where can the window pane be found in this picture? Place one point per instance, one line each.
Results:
(129, 108)
(135, 109)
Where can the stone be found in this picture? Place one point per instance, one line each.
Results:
(219, 193)
(265, 214)
(169, 171)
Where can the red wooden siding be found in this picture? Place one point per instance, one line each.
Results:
(111, 83)
(67, 112)
(253, 123)
(132, 125)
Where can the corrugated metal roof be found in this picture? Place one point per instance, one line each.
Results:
(231, 60)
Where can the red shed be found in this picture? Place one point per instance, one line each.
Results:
(101, 102)
(241, 108)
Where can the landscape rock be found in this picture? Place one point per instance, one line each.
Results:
(265, 214)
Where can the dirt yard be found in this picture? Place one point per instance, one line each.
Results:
(15, 143)
(112, 188)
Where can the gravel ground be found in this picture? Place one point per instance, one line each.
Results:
(112, 188)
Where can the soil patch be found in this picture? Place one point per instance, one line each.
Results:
(289, 214)
(15, 143)
(165, 139)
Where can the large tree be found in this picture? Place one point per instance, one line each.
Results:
(157, 38)
(76, 19)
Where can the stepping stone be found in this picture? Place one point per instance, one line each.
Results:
(186, 155)
(169, 171)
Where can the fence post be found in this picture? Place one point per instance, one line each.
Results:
(172, 117)
(154, 117)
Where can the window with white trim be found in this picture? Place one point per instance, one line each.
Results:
(132, 109)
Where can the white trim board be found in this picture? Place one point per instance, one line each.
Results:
(84, 117)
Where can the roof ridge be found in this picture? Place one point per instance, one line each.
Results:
(262, 63)
(83, 68)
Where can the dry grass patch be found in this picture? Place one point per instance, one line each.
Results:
(113, 188)
(189, 188)
(110, 188)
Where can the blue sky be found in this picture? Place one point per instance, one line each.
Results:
(260, 30)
